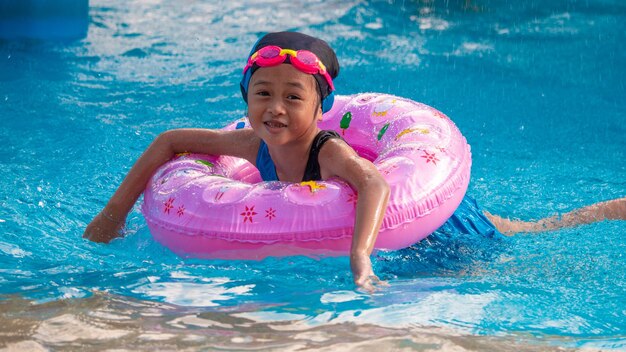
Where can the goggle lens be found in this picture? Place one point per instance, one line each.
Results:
(307, 58)
(269, 52)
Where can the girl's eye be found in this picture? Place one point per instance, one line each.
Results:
(263, 93)
(293, 97)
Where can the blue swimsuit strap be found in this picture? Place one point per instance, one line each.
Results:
(265, 164)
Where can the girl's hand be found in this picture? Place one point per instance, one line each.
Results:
(363, 274)
(103, 228)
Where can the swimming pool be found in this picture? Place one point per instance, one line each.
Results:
(537, 89)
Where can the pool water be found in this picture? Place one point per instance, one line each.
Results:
(536, 87)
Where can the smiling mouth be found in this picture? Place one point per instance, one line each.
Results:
(274, 124)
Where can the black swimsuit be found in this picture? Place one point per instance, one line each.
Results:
(312, 170)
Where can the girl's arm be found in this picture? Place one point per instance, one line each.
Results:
(336, 158)
(241, 143)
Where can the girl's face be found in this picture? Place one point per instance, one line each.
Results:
(283, 105)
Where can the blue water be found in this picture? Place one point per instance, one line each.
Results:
(537, 88)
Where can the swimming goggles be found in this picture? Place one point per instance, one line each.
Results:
(303, 60)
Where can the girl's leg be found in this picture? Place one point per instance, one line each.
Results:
(610, 210)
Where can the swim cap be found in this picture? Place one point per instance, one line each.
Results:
(299, 41)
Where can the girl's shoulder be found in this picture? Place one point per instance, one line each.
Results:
(335, 156)
(243, 143)
(332, 145)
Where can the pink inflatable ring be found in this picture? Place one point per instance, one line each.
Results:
(218, 207)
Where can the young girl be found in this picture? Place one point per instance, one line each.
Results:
(288, 84)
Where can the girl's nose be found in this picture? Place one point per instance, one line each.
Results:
(276, 107)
